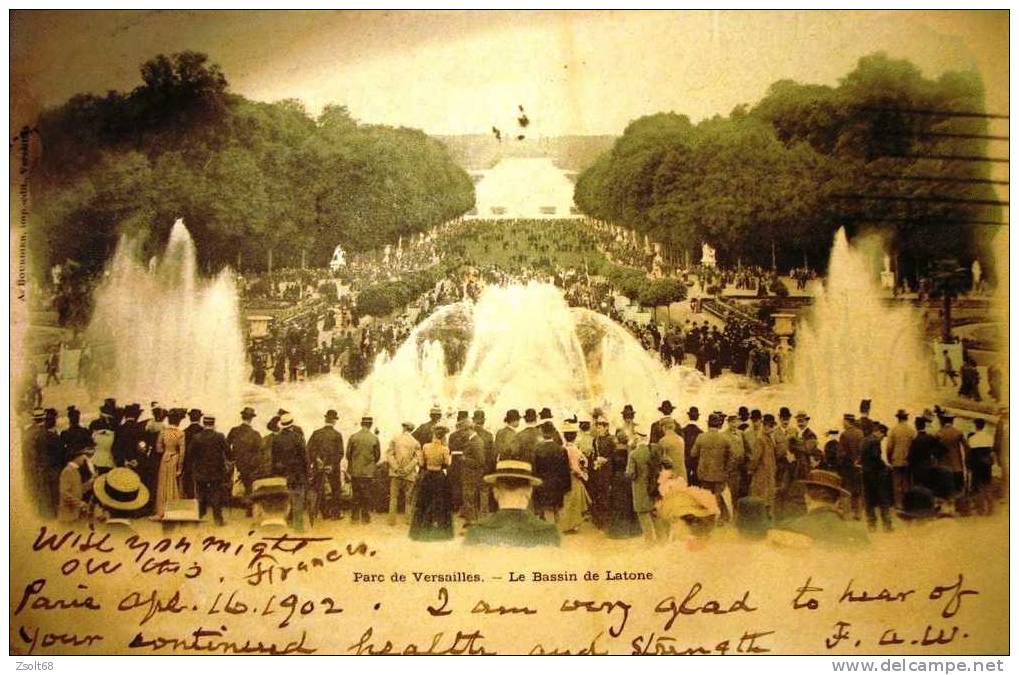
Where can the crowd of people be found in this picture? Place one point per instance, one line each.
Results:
(526, 481)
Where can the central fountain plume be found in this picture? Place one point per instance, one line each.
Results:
(162, 333)
(856, 345)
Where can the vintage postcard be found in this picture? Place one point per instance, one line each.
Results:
(516, 332)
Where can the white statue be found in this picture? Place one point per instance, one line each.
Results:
(339, 259)
(708, 255)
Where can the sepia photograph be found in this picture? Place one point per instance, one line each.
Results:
(518, 332)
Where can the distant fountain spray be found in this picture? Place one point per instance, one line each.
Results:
(162, 333)
(855, 346)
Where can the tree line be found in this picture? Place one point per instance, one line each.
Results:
(257, 184)
(873, 153)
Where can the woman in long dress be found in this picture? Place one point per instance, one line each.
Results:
(170, 448)
(433, 503)
(623, 523)
(577, 501)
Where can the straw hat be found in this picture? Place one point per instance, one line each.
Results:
(121, 489)
(513, 468)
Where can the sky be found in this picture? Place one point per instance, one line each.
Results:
(456, 72)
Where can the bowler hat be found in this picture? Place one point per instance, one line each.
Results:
(513, 468)
(462, 415)
(865, 406)
(194, 414)
(901, 414)
(512, 415)
(331, 416)
(530, 415)
(248, 413)
(825, 479)
(545, 414)
(755, 414)
(743, 412)
(784, 413)
(628, 412)
(693, 413)
(666, 407)
(479, 416)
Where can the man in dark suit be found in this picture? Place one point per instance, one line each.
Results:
(423, 434)
(209, 452)
(128, 435)
(528, 438)
(552, 466)
(506, 438)
(690, 433)
(325, 451)
(246, 452)
(487, 441)
(187, 473)
(290, 460)
(656, 427)
(513, 524)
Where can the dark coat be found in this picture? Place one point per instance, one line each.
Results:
(512, 527)
(125, 441)
(290, 458)
(209, 454)
(552, 466)
(506, 443)
(326, 446)
(245, 450)
(527, 442)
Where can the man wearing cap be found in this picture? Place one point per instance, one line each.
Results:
(656, 428)
(876, 479)
(713, 453)
(210, 453)
(290, 460)
(850, 447)
(513, 524)
(403, 457)
(505, 438)
(246, 451)
(900, 437)
(423, 434)
(325, 452)
(823, 524)
(363, 453)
